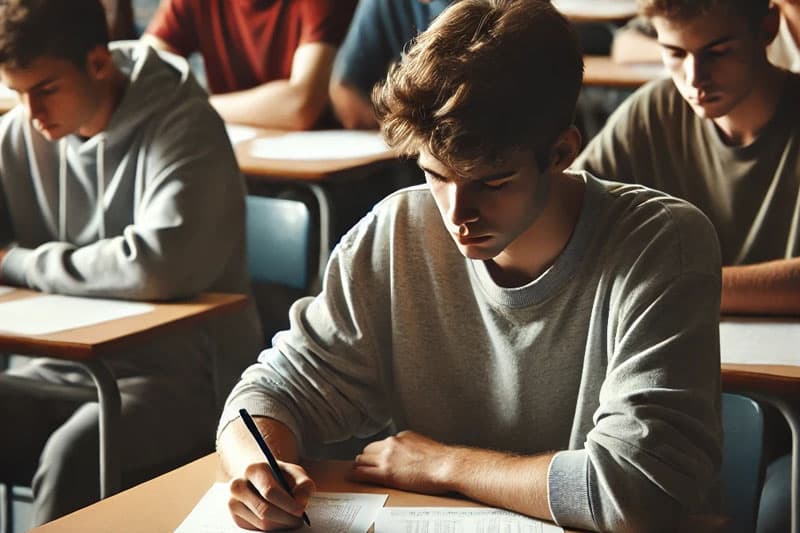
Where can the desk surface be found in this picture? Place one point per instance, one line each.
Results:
(87, 342)
(299, 169)
(603, 71)
(168, 499)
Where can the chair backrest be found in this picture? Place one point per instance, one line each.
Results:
(278, 241)
(742, 461)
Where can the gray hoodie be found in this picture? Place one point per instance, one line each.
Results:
(170, 223)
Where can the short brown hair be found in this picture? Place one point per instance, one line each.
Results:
(753, 10)
(488, 76)
(66, 29)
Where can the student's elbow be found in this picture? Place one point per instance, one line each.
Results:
(351, 108)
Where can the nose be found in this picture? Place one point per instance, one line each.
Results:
(463, 207)
(695, 71)
(33, 106)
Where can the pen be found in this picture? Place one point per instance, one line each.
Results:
(273, 464)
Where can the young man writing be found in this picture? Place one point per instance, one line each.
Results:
(116, 180)
(546, 341)
(724, 134)
(268, 64)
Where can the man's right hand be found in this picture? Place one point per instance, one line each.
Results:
(257, 500)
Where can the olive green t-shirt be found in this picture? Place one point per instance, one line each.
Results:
(751, 193)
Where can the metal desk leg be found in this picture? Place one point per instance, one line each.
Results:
(110, 406)
(324, 203)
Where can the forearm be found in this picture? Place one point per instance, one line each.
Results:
(518, 483)
(237, 448)
(278, 104)
(352, 108)
(770, 288)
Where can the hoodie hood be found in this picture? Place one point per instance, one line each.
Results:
(98, 167)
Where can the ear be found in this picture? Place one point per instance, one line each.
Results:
(565, 150)
(768, 29)
(99, 63)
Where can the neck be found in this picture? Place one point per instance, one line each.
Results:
(533, 252)
(745, 122)
(109, 95)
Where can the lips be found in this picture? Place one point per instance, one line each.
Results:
(472, 240)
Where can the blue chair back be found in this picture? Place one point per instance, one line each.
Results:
(278, 241)
(742, 461)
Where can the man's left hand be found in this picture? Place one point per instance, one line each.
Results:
(407, 461)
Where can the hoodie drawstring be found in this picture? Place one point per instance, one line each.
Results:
(62, 191)
(101, 186)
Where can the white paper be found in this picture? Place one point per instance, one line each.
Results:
(597, 8)
(457, 520)
(238, 133)
(40, 315)
(329, 512)
(4, 289)
(760, 341)
(320, 145)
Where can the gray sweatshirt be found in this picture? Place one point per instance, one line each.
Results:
(611, 356)
(169, 222)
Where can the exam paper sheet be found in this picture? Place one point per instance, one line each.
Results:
(40, 315)
(320, 145)
(329, 512)
(457, 520)
(238, 133)
(764, 341)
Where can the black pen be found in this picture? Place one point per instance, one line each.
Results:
(273, 464)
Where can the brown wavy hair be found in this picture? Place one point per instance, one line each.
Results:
(754, 10)
(487, 77)
(66, 29)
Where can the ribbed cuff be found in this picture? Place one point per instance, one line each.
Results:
(568, 490)
(14, 266)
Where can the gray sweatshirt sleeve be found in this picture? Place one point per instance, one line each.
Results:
(324, 377)
(655, 449)
(190, 213)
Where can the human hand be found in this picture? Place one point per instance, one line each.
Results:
(408, 461)
(257, 500)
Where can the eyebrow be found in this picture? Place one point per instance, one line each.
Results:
(491, 177)
(712, 44)
(39, 85)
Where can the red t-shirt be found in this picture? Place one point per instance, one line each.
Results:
(245, 43)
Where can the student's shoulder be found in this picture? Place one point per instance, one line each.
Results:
(400, 215)
(659, 99)
(669, 226)
(12, 128)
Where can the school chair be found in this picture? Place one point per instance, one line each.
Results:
(282, 256)
(742, 461)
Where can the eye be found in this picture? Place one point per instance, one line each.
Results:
(719, 52)
(496, 184)
(47, 91)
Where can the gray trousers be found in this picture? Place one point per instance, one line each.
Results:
(51, 444)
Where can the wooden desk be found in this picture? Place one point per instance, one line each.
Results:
(613, 11)
(87, 345)
(603, 71)
(776, 384)
(160, 505)
(316, 175)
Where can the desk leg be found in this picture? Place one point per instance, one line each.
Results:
(110, 407)
(324, 204)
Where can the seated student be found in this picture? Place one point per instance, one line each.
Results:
(636, 42)
(724, 134)
(117, 180)
(379, 32)
(268, 64)
(506, 305)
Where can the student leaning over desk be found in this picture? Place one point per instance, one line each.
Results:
(116, 180)
(547, 341)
